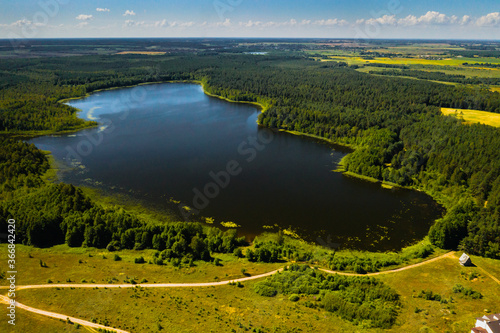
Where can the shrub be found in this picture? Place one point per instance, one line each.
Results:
(117, 258)
(294, 297)
(467, 292)
(265, 290)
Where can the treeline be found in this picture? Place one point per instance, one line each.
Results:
(361, 300)
(51, 214)
(395, 123)
(486, 64)
(60, 213)
(20, 165)
(439, 76)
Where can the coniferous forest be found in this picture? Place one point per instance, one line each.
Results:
(394, 125)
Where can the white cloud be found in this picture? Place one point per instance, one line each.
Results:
(384, 20)
(83, 17)
(158, 24)
(409, 20)
(161, 24)
(432, 17)
(82, 24)
(331, 22)
(429, 18)
(465, 20)
(129, 13)
(182, 24)
(102, 9)
(260, 24)
(226, 23)
(490, 20)
(130, 23)
(21, 23)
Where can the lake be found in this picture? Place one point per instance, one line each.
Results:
(172, 147)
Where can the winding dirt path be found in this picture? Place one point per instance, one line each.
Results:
(144, 285)
(5, 299)
(446, 255)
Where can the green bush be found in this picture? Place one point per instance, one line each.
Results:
(139, 260)
(264, 290)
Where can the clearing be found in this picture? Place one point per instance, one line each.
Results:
(474, 116)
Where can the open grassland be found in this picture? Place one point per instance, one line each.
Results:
(90, 265)
(207, 309)
(474, 116)
(30, 322)
(238, 309)
(440, 277)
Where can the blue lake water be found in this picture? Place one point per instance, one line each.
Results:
(168, 143)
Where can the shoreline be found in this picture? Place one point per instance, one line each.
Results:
(262, 108)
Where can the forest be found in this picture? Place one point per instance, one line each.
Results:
(394, 124)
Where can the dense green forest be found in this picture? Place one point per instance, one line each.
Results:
(394, 123)
(51, 214)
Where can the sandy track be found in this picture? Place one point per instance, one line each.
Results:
(446, 255)
(5, 299)
(145, 285)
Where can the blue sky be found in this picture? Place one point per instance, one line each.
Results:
(251, 18)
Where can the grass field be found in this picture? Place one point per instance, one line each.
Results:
(474, 116)
(91, 265)
(440, 277)
(240, 309)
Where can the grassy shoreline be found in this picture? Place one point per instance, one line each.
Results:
(115, 199)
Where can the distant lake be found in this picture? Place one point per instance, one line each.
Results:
(169, 143)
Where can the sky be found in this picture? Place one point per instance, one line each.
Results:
(445, 19)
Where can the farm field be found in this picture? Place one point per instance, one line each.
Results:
(474, 116)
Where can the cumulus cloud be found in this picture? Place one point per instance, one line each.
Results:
(129, 13)
(490, 20)
(260, 24)
(82, 24)
(21, 23)
(465, 20)
(181, 24)
(160, 24)
(331, 22)
(384, 20)
(226, 23)
(102, 9)
(130, 23)
(83, 17)
(429, 18)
